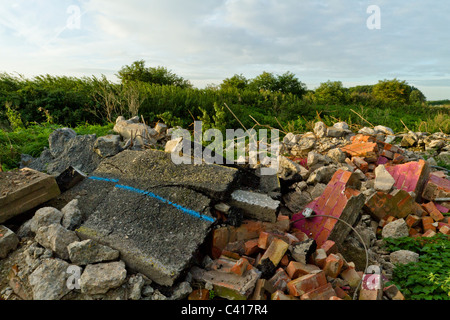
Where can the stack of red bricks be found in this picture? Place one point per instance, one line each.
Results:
(366, 152)
(324, 274)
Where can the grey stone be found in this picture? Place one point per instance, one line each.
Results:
(337, 133)
(320, 129)
(107, 146)
(383, 179)
(384, 130)
(181, 291)
(8, 241)
(45, 217)
(337, 155)
(72, 216)
(161, 128)
(256, 205)
(132, 129)
(58, 139)
(56, 238)
(302, 251)
(404, 257)
(89, 252)
(396, 229)
(297, 201)
(317, 190)
(49, 280)
(135, 285)
(100, 278)
(341, 126)
(289, 170)
(435, 144)
(367, 131)
(322, 175)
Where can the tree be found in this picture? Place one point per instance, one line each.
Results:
(237, 81)
(392, 91)
(285, 83)
(159, 75)
(331, 92)
(417, 97)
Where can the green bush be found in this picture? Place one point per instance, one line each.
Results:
(428, 279)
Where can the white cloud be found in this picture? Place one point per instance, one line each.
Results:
(207, 41)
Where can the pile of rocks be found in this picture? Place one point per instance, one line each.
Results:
(309, 233)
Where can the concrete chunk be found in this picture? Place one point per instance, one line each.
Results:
(8, 241)
(256, 205)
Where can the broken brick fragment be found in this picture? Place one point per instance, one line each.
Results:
(398, 204)
(325, 292)
(410, 176)
(333, 266)
(342, 200)
(433, 212)
(306, 283)
(297, 269)
(435, 188)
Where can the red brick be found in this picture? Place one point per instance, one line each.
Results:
(306, 283)
(429, 234)
(297, 269)
(202, 294)
(280, 280)
(445, 229)
(240, 267)
(351, 276)
(280, 295)
(433, 212)
(341, 294)
(251, 247)
(413, 221)
(329, 247)
(284, 261)
(427, 223)
(333, 266)
(361, 164)
(436, 188)
(410, 176)
(322, 293)
(361, 149)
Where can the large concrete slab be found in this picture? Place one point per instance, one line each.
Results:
(154, 212)
(24, 190)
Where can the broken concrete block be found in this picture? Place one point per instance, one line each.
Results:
(383, 179)
(89, 252)
(56, 238)
(227, 285)
(99, 278)
(410, 176)
(322, 175)
(24, 190)
(396, 229)
(336, 155)
(297, 201)
(320, 129)
(339, 200)
(156, 197)
(290, 170)
(132, 129)
(8, 241)
(256, 206)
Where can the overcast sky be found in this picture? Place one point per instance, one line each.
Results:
(207, 41)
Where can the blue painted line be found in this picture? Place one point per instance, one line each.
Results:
(152, 195)
(155, 196)
(104, 179)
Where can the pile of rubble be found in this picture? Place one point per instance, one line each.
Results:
(127, 223)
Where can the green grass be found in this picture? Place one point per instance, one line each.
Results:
(34, 139)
